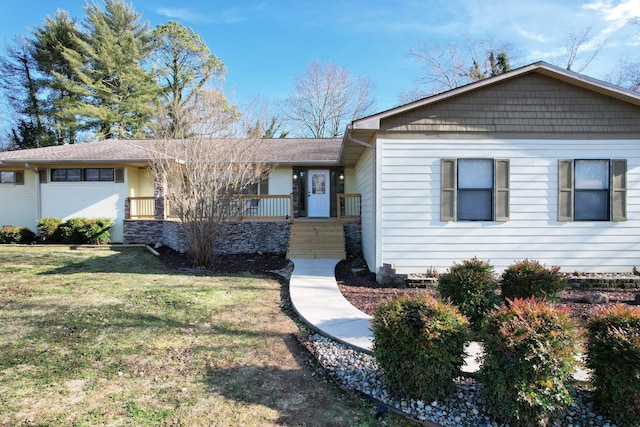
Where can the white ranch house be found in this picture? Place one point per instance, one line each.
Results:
(539, 163)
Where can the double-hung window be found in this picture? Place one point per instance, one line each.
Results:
(474, 190)
(592, 190)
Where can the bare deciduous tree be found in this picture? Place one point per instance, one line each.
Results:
(326, 98)
(578, 42)
(627, 75)
(451, 65)
(202, 177)
(258, 121)
(445, 68)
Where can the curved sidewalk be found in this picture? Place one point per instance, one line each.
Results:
(317, 299)
(319, 303)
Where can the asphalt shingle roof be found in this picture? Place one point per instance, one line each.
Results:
(282, 151)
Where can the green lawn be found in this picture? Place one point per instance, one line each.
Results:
(102, 336)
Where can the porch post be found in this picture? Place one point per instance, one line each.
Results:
(159, 185)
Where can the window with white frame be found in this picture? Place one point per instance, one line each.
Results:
(592, 190)
(474, 190)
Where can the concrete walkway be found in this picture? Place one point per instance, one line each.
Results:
(320, 304)
(317, 299)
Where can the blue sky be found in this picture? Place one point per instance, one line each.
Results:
(265, 44)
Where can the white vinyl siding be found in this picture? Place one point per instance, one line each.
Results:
(414, 238)
(365, 187)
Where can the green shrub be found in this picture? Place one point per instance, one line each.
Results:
(86, 231)
(614, 357)
(527, 278)
(419, 346)
(49, 232)
(530, 355)
(15, 234)
(471, 286)
(76, 230)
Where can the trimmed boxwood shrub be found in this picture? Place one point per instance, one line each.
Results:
(84, 230)
(15, 234)
(614, 357)
(527, 278)
(530, 355)
(419, 346)
(76, 230)
(471, 286)
(48, 228)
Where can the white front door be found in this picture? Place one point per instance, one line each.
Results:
(319, 194)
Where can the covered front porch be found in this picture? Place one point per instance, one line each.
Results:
(249, 207)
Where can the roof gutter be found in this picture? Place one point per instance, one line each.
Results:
(36, 171)
(359, 141)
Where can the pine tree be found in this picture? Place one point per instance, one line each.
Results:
(184, 65)
(19, 81)
(112, 91)
(48, 45)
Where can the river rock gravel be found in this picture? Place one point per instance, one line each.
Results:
(358, 371)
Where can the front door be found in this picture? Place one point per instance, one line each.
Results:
(319, 193)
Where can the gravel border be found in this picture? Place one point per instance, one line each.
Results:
(358, 372)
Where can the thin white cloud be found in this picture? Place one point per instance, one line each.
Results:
(226, 16)
(183, 14)
(536, 37)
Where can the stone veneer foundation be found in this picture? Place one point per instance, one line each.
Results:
(245, 237)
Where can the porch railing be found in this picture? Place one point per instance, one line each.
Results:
(349, 206)
(265, 206)
(141, 207)
(253, 206)
(245, 206)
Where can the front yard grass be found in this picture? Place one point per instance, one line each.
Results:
(109, 336)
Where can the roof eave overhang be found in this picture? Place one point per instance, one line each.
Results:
(13, 162)
(308, 163)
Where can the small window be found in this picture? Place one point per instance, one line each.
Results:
(7, 177)
(101, 174)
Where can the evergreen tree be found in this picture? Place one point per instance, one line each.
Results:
(183, 64)
(48, 45)
(112, 91)
(19, 81)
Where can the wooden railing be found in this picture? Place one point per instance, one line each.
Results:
(254, 206)
(267, 206)
(244, 207)
(349, 206)
(141, 207)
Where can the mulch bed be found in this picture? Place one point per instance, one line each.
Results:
(359, 286)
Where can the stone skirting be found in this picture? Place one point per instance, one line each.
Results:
(142, 232)
(352, 237)
(252, 237)
(235, 237)
(244, 237)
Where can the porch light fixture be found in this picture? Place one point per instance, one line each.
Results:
(295, 176)
(341, 177)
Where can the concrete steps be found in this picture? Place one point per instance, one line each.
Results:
(316, 240)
